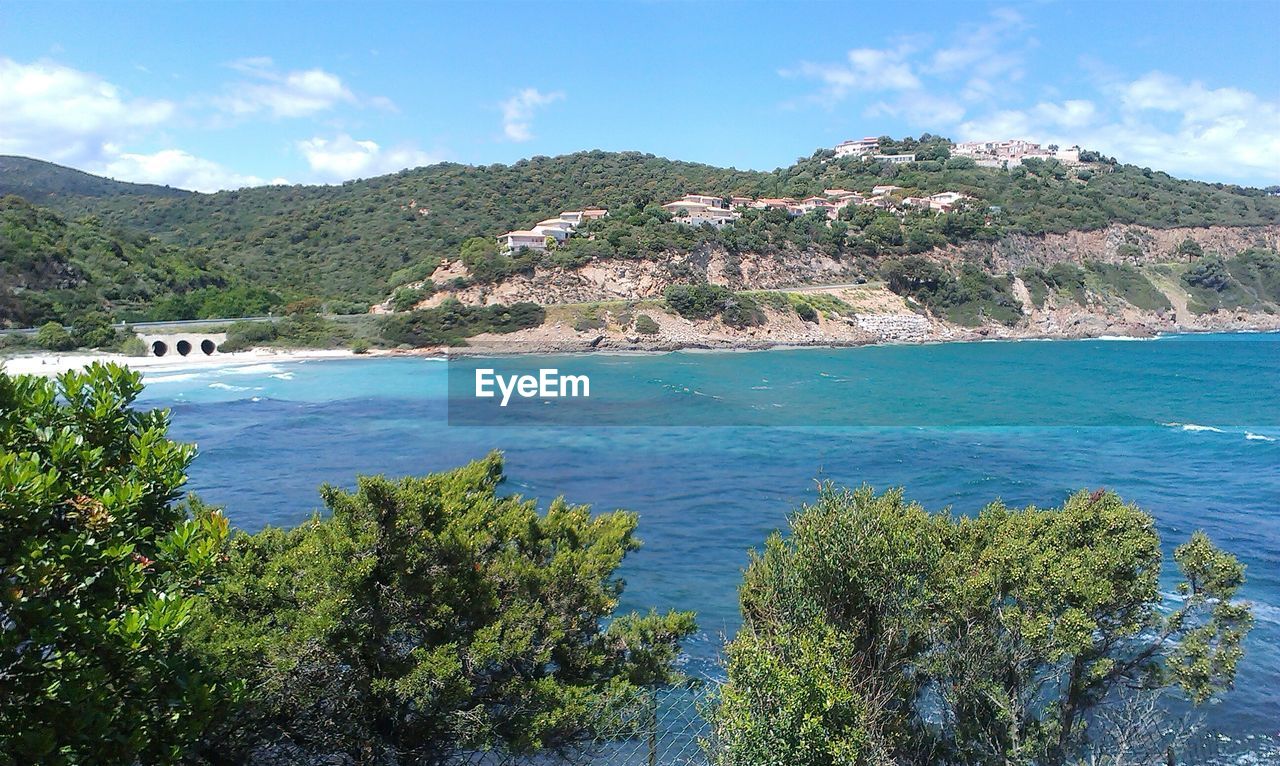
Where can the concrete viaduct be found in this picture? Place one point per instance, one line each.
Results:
(183, 344)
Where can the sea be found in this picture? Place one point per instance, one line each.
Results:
(713, 450)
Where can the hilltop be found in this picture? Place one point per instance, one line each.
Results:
(420, 237)
(45, 183)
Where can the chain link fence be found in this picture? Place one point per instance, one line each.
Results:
(670, 727)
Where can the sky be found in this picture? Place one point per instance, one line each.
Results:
(209, 96)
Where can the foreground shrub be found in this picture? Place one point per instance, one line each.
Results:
(100, 569)
(879, 633)
(426, 615)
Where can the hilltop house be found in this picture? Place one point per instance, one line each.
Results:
(894, 159)
(556, 229)
(516, 240)
(880, 191)
(860, 148)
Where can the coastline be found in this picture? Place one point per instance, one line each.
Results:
(51, 363)
(55, 363)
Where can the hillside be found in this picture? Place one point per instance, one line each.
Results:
(360, 240)
(45, 183)
(52, 268)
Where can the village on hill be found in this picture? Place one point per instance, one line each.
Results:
(717, 212)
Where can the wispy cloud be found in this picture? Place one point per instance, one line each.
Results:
(174, 167)
(266, 89)
(518, 112)
(342, 157)
(973, 86)
(56, 112)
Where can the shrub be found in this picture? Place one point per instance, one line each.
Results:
(646, 326)
(54, 337)
(878, 632)
(132, 345)
(427, 615)
(806, 312)
(452, 322)
(101, 569)
(359, 346)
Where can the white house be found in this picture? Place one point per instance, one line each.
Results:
(572, 216)
(880, 191)
(715, 216)
(682, 206)
(894, 159)
(592, 213)
(556, 223)
(515, 240)
(555, 232)
(859, 148)
(705, 199)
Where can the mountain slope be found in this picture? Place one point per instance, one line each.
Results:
(55, 269)
(364, 238)
(44, 182)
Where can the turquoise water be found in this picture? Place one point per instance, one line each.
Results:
(1185, 426)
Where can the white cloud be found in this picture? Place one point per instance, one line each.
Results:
(864, 69)
(174, 167)
(972, 87)
(518, 112)
(343, 157)
(298, 93)
(55, 112)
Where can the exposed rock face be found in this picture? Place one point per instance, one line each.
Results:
(1015, 252)
(644, 278)
(895, 327)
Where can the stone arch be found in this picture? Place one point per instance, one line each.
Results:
(184, 347)
(159, 348)
(208, 346)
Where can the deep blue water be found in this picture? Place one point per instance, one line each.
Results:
(1187, 427)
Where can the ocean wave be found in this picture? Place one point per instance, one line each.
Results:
(283, 376)
(1194, 427)
(179, 377)
(228, 387)
(1258, 437)
(252, 369)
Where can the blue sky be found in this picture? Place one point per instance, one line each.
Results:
(219, 95)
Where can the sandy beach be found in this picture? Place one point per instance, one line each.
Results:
(51, 364)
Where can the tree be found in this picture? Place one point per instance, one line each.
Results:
(1190, 249)
(427, 615)
(100, 569)
(881, 633)
(93, 330)
(54, 337)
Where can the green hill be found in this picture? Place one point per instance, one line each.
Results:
(360, 240)
(43, 182)
(55, 269)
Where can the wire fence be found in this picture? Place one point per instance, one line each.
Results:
(671, 727)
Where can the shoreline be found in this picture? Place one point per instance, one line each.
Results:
(49, 363)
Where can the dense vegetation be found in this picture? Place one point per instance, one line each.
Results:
(55, 269)
(437, 615)
(880, 633)
(101, 569)
(1250, 280)
(1070, 283)
(42, 182)
(364, 238)
(968, 297)
(450, 323)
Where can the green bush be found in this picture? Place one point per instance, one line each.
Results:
(359, 346)
(877, 632)
(132, 345)
(422, 616)
(54, 337)
(452, 322)
(101, 570)
(806, 312)
(646, 326)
